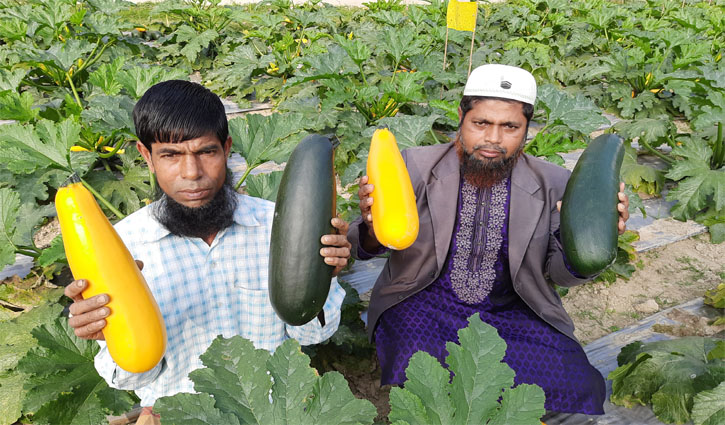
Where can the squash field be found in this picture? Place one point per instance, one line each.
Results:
(71, 71)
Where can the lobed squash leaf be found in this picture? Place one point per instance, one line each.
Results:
(265, 185)
(666, 374)
(63, 385)
(709, 407)
(15, 342)
(699, 186)
(479, 392)
(258, 138)
(241, 384)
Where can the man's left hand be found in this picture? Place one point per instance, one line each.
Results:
(622, 208)
(338, 247)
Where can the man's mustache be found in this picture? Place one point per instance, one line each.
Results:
(496, 148)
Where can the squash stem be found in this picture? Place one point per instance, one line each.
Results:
(244, 177)
(656, 153)
(103, 200)
(27, 253)
(718, 151)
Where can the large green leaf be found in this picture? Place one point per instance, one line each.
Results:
(480, 391)
(25, 148)
(642, 178)
(64, 386)
(577, 112)
(409, 130)
(9, 206)
(194, 42)
(698, 186)
(105, 77)
(139, 78)
(709, 407)
(18, 106)
(15, 341)
(240, 384)
(264, 185)
(260, 138)
(667, 374)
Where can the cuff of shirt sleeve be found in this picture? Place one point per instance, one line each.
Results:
(118, 378)
(362, 253)
(557, 235)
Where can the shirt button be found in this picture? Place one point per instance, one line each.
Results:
(214, 264)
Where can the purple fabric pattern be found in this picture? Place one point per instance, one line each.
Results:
(476, 280)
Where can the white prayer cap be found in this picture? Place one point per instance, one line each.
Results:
(504, 81)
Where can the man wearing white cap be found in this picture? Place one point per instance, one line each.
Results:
(488, 244)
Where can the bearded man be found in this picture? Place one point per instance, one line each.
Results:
(206, 248)
(488, 244)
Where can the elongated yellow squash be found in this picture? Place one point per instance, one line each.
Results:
(395, 215)
(135, 330)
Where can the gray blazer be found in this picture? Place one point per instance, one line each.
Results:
(536, 260)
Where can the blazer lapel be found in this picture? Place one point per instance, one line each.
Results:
(442, 195)
(524, 213)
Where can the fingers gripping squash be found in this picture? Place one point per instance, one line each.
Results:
(135, 332)
(395, 214)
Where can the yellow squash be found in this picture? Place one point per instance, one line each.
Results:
(135, 331)
(395, 215)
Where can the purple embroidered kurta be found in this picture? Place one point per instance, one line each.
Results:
(476, 279)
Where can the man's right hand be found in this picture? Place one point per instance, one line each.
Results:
(88, 317)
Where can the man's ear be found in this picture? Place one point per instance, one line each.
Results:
(146, 154)
(460, 113)
(227, 146)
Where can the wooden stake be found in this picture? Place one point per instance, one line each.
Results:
(473, 38)
(445, 57)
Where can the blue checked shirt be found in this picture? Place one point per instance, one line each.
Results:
(204, 291)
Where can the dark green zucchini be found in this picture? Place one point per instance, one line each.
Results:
(299, 279)
(589, 214)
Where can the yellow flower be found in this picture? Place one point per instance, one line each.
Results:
(349, 36)
(286, 19)
(140, 29)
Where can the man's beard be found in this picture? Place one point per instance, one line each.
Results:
(486, 173)
(196, 222)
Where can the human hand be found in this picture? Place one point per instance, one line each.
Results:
(366, 202)
(337, 251)
(88, 317)
(622, 208)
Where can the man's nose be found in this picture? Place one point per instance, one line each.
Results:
(190, 167)
(492, 134)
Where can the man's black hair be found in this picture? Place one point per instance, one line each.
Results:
(174, 111)
(467, 103)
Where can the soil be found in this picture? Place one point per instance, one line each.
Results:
(668, 275)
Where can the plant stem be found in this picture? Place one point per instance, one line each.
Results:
(73, 89)
(103, 200)
(25, 252)
(656, 153)
(435, 138)
(244, 177)
(718, 151)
